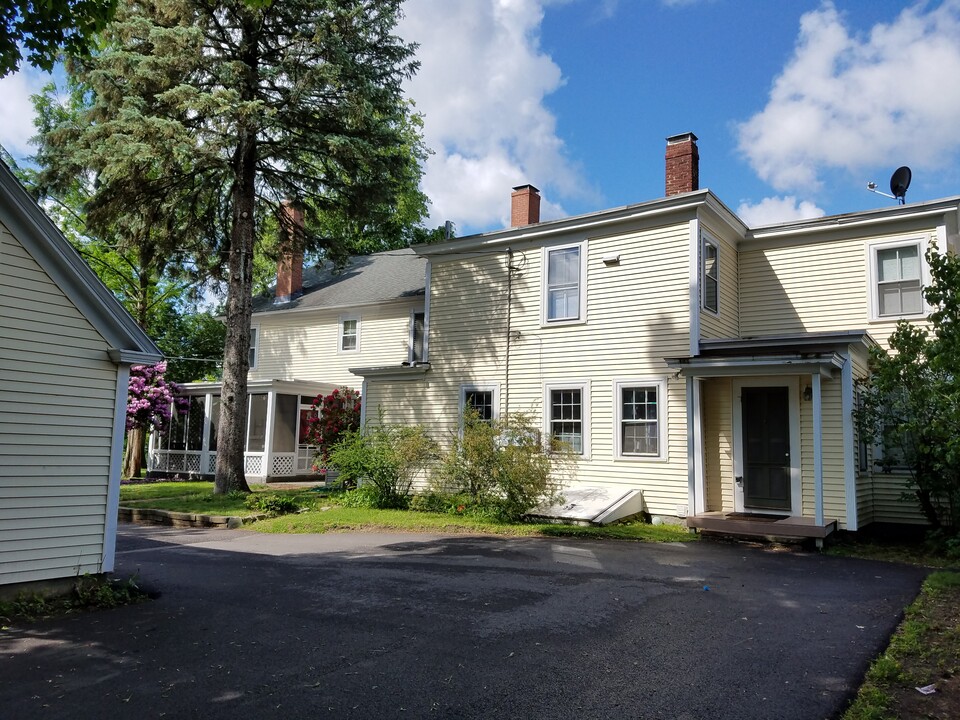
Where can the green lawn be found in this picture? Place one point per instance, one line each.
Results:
(924, 651)
(198, 497)
(322, 514)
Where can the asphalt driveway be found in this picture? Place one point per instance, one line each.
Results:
(424, 626)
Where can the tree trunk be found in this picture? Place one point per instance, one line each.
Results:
(133, 453)
(231, 432)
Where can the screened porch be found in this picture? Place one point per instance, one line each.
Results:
(276, 447)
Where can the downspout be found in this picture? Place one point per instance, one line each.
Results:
(506, 361)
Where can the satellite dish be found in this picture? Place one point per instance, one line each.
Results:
(899, 183)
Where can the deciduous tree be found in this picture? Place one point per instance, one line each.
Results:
(910, 404)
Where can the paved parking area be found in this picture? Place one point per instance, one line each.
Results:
(425, 626)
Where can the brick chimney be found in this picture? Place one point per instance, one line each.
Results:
(525, 206)
(683, 164)
(290, 262)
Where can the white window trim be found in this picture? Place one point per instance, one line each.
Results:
(662, 418)
(340, 321)
(544, 304)
(708, 239)
(584, 387)
(873, 275)
(411, 333)
(254, 346)
(478, 387)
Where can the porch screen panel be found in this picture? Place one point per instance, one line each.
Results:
(195, 420)
(178, 430)
(257, 425)
(214, 422)
(285, 423)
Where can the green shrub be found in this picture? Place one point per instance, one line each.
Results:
(97, 591)
(369, 496)
(271, 503)
(502, 467)
(385, 459)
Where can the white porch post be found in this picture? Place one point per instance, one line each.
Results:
(363, 402)
(698, 463)
(849, 443)
(268, 434)
(817, 451)
(207, 425)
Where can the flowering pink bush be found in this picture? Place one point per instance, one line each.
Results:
(330, 417)
(151, 400)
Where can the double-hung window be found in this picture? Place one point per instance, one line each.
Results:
(897, 279)
(484, 400)
(567, 411)
(641, 419)
(563, 286)
(254, 338)
(710, 274)
(349, 340)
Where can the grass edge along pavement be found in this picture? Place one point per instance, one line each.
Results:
(918, 675)
(320, 513)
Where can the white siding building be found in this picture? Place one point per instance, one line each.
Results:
(66, 346)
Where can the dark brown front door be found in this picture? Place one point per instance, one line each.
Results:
(766, 448)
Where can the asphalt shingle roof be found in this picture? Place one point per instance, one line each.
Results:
(365, 279)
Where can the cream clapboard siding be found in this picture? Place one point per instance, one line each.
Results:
(834, 487)
(812, 287)
(305, 345)
(718, 444)
(879, 494)
(57, 399)
(865, 514)
(637, 314)
(725, 323)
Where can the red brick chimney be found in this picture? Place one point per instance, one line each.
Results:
(683, 164)
(290, 262)
(525, 206)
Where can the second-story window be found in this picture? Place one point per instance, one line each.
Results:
(349, 334)
(898, 284)
(254, 337)
(710, 275)
(563, 286)
(417, 333)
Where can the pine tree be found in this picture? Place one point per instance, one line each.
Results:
(208, 115)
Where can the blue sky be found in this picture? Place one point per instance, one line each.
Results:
(797, 104)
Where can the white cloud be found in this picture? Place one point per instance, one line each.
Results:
(773, 210)
(481, 86)
(855, 102)
(16, 110)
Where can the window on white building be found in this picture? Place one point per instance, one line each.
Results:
(349, 334)
(897, 279)
(710, 275)
(567, 414)
(563, 290)
(641, 419)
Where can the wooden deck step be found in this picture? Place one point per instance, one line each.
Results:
(761, 525)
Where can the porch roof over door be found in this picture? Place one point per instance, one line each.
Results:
(806, 354)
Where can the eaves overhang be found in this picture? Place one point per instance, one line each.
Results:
(405, 371)
(823, 364)
(42, 239)
(797, 231)
(545, 231)
(259, 387)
